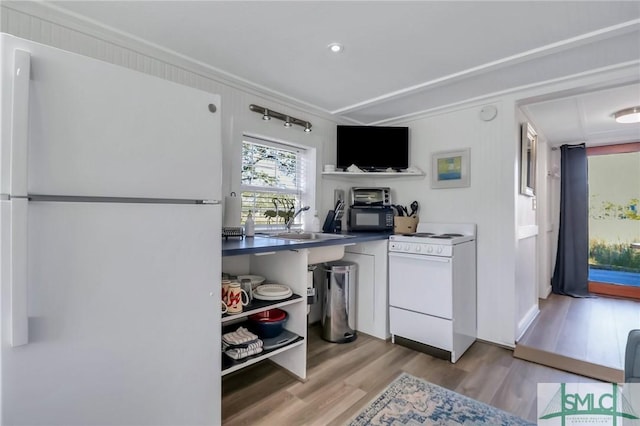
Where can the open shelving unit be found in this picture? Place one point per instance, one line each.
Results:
(283, 267)
(372, 174)
(230, 365)
(257, 306)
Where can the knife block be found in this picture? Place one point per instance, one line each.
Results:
(329, 222)
(405, 224)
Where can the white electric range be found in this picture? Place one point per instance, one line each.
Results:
(432, 287)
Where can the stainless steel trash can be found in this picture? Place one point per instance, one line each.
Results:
(339, 302)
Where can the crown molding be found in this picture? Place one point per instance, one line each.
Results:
(597, 79)
(563, 45)
(57, 15)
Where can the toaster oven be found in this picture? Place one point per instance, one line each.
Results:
(370, 197)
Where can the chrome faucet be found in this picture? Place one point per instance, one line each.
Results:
(290, 221)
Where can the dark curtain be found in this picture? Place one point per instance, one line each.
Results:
(571, 273)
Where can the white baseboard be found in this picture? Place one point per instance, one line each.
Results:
(546, 291)
(527, 231)
(526, 321)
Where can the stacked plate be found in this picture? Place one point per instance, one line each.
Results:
(272, 292)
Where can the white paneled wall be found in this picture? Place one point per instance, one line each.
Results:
(34, 22)
(505, 257)
(489, 202)
(528, 243)
(526, 284)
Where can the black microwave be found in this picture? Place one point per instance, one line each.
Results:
(370, 219)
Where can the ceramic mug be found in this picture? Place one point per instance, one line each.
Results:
(223, 307)
(237, 298)
(225, 291)
(246, 285)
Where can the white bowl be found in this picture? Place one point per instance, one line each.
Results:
(256, 280)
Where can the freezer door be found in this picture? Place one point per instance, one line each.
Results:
(97, 129)
(123, 317)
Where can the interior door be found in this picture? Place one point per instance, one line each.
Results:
(122, 327)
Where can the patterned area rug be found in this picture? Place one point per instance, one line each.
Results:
(409, 400)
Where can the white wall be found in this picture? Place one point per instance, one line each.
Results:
(553, 212)
(492, 200)
(528, 258)
(488, 202)
(544, 197)
(37, 23)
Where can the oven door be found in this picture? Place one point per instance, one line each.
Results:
(421, 283)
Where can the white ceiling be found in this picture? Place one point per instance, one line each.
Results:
(587, 117)
(400, 58)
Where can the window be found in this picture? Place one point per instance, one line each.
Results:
(273, 181)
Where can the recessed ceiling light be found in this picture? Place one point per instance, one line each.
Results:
(629, 115)
(336, 47)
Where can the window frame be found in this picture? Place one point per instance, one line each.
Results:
(303, 192)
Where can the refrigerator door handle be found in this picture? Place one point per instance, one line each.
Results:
(19, 329)
(20, 122)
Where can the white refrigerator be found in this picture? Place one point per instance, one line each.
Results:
(110, 220)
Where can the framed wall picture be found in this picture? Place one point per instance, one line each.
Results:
(450, 169)
(528, 148)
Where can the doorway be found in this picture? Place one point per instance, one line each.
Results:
(614, 220)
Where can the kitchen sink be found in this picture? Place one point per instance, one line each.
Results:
(304, 236)
(316, 254)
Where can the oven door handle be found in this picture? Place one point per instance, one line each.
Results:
(421, 257)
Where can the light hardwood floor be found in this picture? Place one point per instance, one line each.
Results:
(582, 335)
(343, 378)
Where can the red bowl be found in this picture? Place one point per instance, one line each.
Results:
(271, 315)
(267, 329)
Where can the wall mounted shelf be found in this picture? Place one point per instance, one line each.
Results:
(372, 174)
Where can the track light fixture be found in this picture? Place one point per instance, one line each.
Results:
(289, 121)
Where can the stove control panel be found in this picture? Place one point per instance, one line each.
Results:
(425, 249)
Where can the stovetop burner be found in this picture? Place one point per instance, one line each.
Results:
(436, 234)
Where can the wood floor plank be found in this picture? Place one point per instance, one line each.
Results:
(627, 317)
(343, 378)
(590, 331)
(388, 366)
(335, 399)
(485, 383)
(571, 342)
(602, 343)
(553, 313)
(562, 362)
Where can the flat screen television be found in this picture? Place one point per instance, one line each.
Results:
(373, 148)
